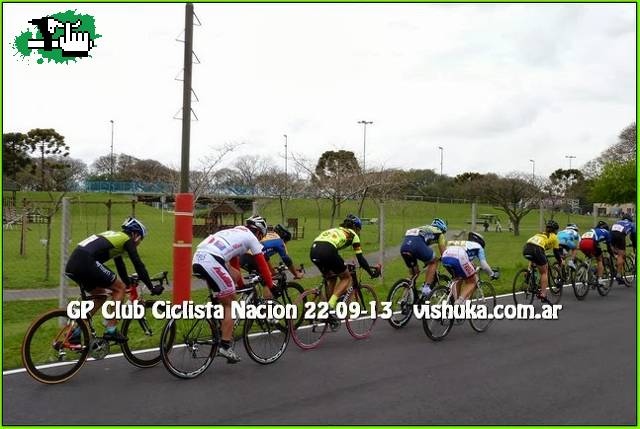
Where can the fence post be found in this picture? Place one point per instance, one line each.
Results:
(254, 208)
(23, 233)
(474, 211)
(595, 214)
(133, 208)
(182, 243)
(381, 234)
(541, 218)
(109, 215)
(64, 250)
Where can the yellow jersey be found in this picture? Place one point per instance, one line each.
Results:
(547, 241)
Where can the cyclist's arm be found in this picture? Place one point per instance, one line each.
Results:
(235, 264)
(442, 245)
(131, 250)
(557, 251)
(483, 263)
(263, 269)
(282, 251)
(122, 269)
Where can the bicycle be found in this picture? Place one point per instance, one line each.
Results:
(628, 268)
(190, 345)
(404, 294)
(483, 295)
(53, 352)
(526, 284)
(309, 331)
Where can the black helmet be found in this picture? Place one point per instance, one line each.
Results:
(352, 221)
(552, 225)
(282, 232)
(627, 217)
(603, 225)
(474, 236)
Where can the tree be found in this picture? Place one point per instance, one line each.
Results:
(622, 151)
(557, 190)
(616, 184)
(467, 177)
(337, 174)
(15, 156)
(514, 195)
(46, 142)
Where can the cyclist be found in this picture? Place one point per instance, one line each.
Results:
(534, 252)
(325, 255)
(619, 232)
(217, 260)
(273, 242)
(457, 259)
(590, 244)
(417, 247)
(85, 267)
(569, 238)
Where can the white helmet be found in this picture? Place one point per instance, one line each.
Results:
(257, 223)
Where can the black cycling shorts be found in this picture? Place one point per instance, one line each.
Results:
(534, 254)
(248, 263)
(325, 256)
(618, 240)
(83, 269)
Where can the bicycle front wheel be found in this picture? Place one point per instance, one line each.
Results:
(265, 340)
(483, 296)
(290, 295)
(360, 327)
(307, 332)
(522, 291)
(629, 271)
(437, 329)
(402, 297)
(55, 347)
(188, 346)
(142, 348)
(581, 282)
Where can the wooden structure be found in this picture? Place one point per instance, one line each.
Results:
(214, 220)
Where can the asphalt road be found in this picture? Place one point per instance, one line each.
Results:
(580, 369)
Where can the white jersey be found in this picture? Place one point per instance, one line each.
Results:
(230, 243)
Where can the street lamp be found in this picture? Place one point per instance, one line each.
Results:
(570, 157)
(364, 150)
(111, 159)
(533, 170)
(441, 157)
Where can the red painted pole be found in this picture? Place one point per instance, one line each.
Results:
(182, 248)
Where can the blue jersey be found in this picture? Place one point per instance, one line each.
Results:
(598, 235)
(569, 238)
(272, 244)
(624, 226)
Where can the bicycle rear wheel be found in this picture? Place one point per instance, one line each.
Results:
(289, 296)
(307, 332)
(265, 340)
(55, 347)
(437, 329)
(522, 291)
(605, 283)
(142, 348)
(188, 346)
(361, 326)
(402, 297)
(581, 282)
(483, 296)
(629, 270)
(556, 283)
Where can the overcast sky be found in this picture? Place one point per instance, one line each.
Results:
(495, 85)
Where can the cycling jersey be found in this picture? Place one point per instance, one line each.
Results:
(113, 245)
(429, 233)
(569, 238)
(229, 243)
(341, 238)
(547, 241)
(624, 226)
(273, 244)
(474, 251)
(598, 235)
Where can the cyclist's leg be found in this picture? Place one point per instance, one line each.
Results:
(343, 283)
(406, 251)
(326, 257)
(539, 259)
(599, 259)
(117, 294)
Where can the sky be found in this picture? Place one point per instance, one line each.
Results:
(494, 85)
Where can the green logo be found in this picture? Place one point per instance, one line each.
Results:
(59, 37)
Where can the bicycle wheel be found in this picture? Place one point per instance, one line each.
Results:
(289, 296)
(188, 346)
(142, 348)
(629, 271)
(309, 331)
(483, 296)
(581, 282)
(360, 327)
(605, 283)
(522, 291)
(265, 340)
(437, 329)
(556, 283)
(49, 353)
(402, 296)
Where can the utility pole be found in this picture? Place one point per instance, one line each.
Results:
(364, 149)
(570, 157)
(111, 160)
(441, 158)
(186, 97)
(533, 170)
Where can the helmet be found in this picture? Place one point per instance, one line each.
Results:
(574, 227)
(440, 224)
(352, 221)
(474, 236)
(552, 225)
(627, 217)
(282, 232)
(134, 225)
(602, 224)
(257, 223)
